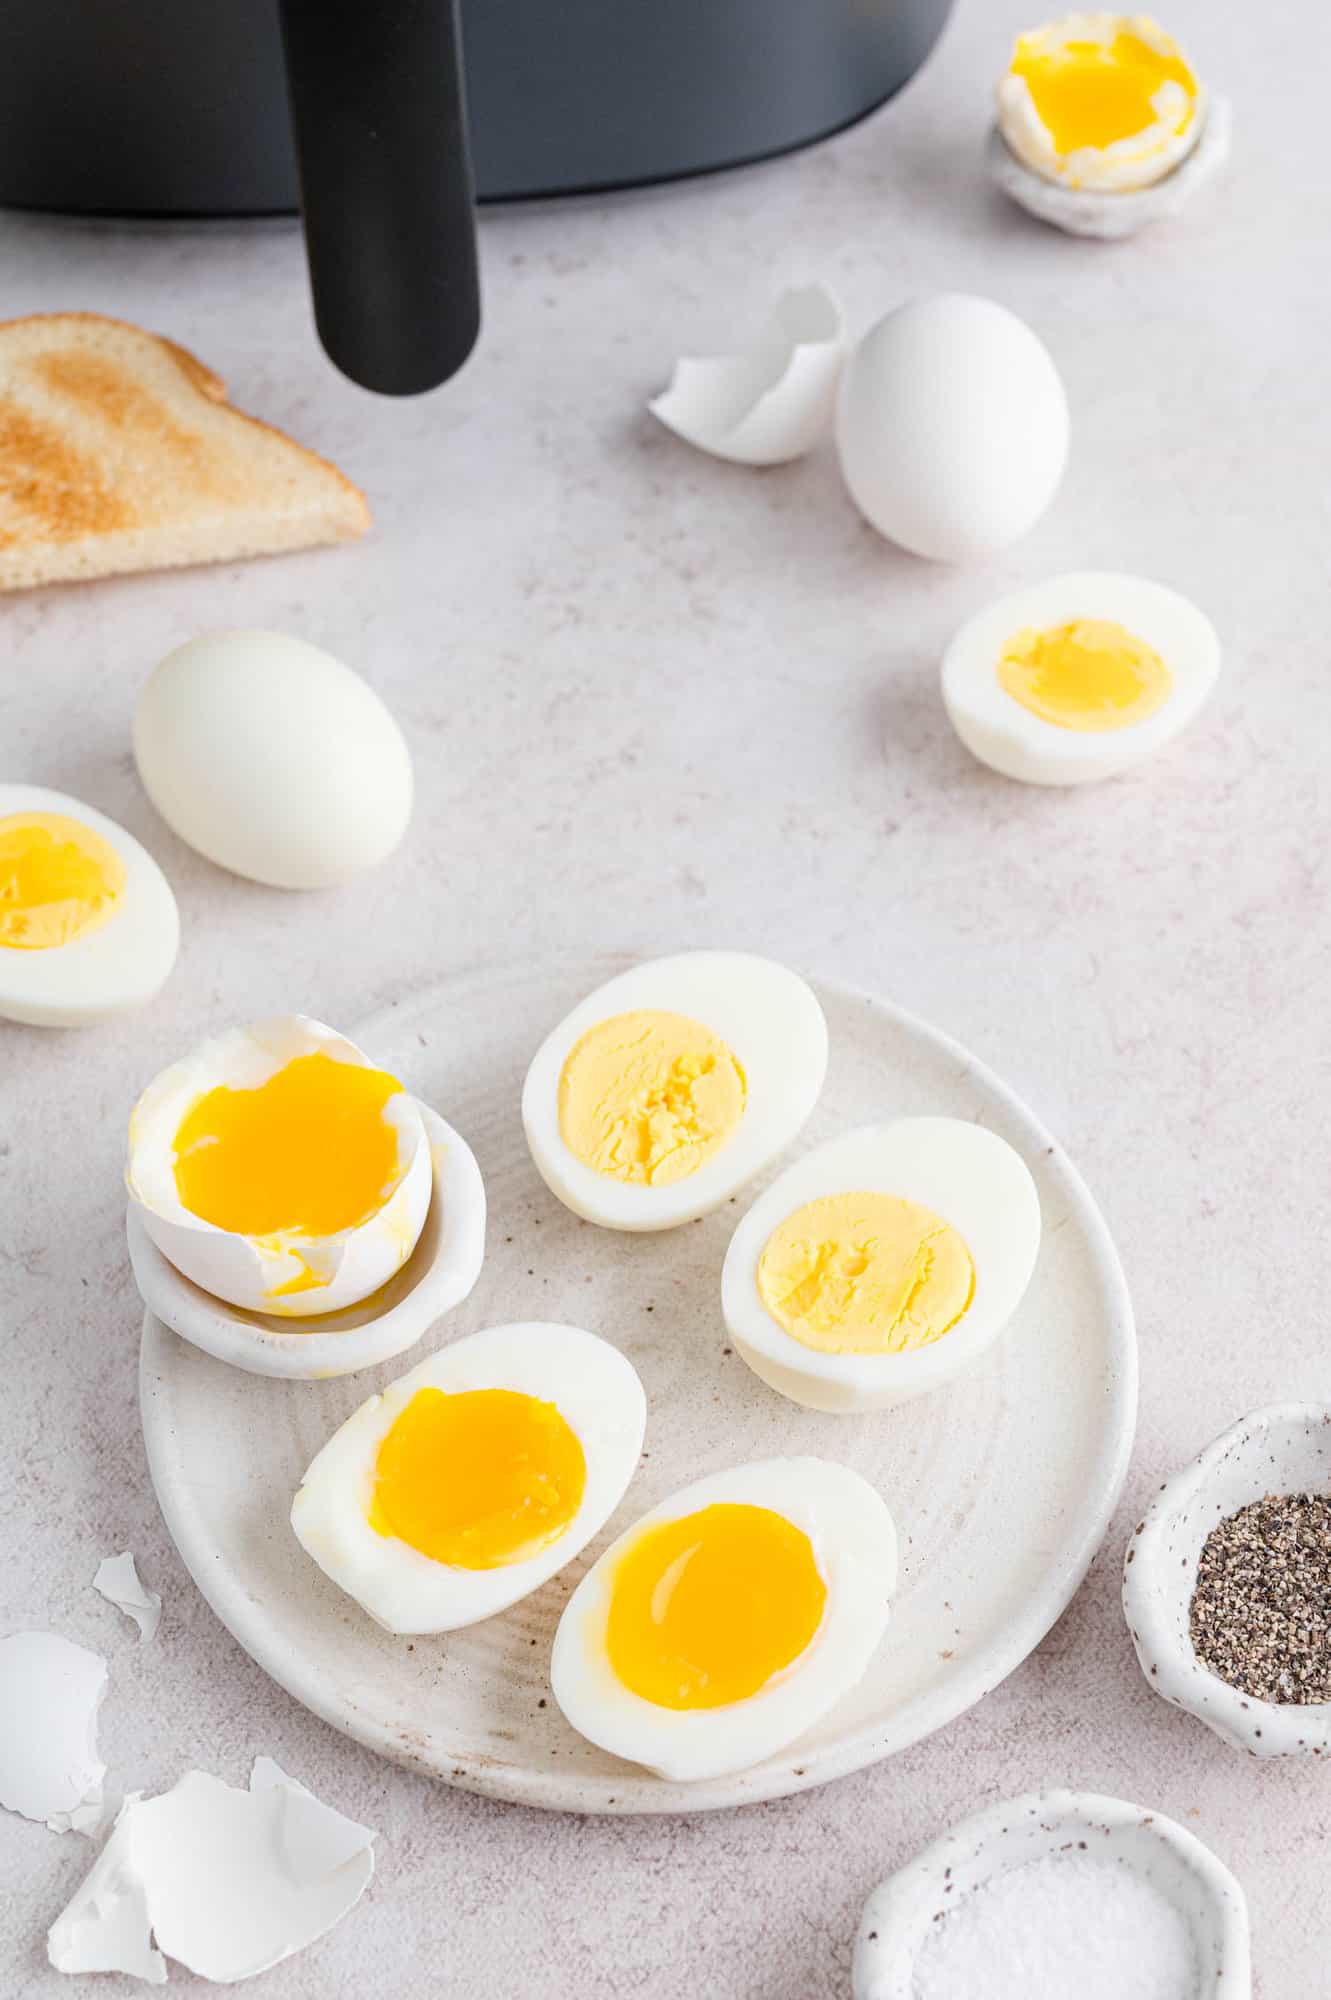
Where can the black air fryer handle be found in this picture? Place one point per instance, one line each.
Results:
(379, 113)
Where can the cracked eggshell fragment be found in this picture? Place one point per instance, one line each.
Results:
(118, 1581)
(227, 1882)
(331, 1271)
(771, 401)
(50, 1692)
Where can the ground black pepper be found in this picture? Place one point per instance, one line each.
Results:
(1260, 1615)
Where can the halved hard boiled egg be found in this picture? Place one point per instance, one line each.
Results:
(882, 1263)
(728, 1619)
(277, 1168)
(474, 1477)
(1100, 101)
(1078, 678)
(88, 923)
(672, 1085)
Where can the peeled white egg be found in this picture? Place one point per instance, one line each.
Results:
(769, 401)
(672, 1085)
(88, 923)
(50, 1692)
(289, 1268)
(273, 759)
(1078, 678)
(729, 1619)
(504, 1453)
(952, 426)
(882, 1263)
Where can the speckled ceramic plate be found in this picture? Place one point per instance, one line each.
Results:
(1002, 1484)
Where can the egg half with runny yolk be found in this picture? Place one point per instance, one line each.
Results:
(280, 1170)
(471, 1480)
(88, 923)
(729, 1619)
(1078, 678)
(1100, 101)
(882, 1263)
(672, 1085)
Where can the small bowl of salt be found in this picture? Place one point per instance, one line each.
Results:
(1227, 1584)
(1057, 1892)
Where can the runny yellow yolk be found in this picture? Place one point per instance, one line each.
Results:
(866, 1274)
(707, 1609)
(58, 880)
(478, 1479)
(307, 1153)
(1092, 93)
(1090, 674)
(649, 1097)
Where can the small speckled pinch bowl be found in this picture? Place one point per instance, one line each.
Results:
(1283, 1449)
(1107, 213)
(439, 1273)
(901, 1911)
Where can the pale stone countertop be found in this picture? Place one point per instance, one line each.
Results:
(656, 701)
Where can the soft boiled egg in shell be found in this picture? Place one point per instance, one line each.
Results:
(279, 1170)
(729, 1619)
(672, 1085)
(475, 1477)
(88, 923)
(882, 1263)
(1078, 678)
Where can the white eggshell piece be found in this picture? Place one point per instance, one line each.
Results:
(1008, 737)
(50, 1692)
(774, 1026)
(118, 1581)
(273, 759)
(122, 963)
(770, 401)
(226, 1882)
(1113, 214)
(964, 1173)
(952, 427)
(596, 1391)
(250, 1271)
(855, 1546)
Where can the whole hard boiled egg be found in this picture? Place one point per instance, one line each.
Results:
(474, 1478)
(277, 1168)
(88, 923)
(952, 427)
(729, 1619)
(273, 759)
(672, 1085)
(1078, 678)
(882, 1263)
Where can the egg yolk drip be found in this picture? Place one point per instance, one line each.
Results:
(1093, 93)
(478, 1479)
(308, 1153)
(1091, 674)
(866, 1274)
(649, 1097)
(706, 1610)
(58, 880)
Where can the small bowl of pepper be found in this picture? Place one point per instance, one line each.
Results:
(1227, 1584)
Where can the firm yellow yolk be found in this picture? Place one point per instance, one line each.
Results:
(478, 1479)
(307, 1153)
(1090, 674)
(58, 880)
(1091, 93)
(649, 1097)
(705, 1610)
(866, 1274)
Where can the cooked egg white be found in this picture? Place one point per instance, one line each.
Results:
(88, 923)
(1078, 678)
(672, 1085)
(882, 1263)
(729, 1619)
(475, 1477)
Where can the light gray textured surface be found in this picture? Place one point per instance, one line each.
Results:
(657, 701)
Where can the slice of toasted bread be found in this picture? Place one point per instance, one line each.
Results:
(119, 451)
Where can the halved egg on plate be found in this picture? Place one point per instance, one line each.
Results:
(882, 1263)
(475, 1477)
(729, 1619)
